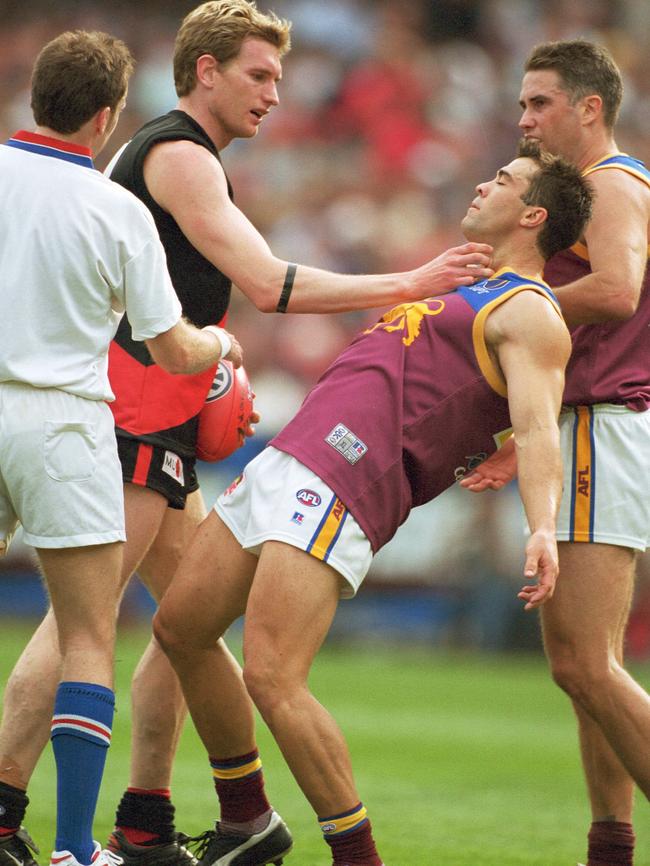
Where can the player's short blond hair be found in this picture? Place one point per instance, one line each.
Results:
(219, 27)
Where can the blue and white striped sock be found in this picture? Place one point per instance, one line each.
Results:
(81, 735)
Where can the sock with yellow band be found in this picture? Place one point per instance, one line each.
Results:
(349, 835)
(239, 783)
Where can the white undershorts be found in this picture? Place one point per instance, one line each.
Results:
(279, 499)
(606, 454)
(60, 475)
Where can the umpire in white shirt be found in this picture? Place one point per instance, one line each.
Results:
(76, 250)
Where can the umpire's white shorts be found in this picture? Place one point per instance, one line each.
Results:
(278, 499)
(606, 498)
(60, 475)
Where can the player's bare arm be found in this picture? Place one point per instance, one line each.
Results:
(186, 180)
(532, 346)
(617, 240)
(185, 349)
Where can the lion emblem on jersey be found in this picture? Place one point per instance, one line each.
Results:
(408, 318)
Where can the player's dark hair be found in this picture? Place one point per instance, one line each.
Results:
(584, 68)
(75, 76)
(219, 27)
(558, 187)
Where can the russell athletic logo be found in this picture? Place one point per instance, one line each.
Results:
(308, 497)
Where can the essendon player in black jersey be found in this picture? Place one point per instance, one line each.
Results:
(227, 65)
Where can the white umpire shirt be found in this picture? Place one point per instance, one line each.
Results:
(76, 250)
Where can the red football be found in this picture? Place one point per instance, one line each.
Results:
(225, 414)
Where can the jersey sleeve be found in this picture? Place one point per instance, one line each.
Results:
(151, 303)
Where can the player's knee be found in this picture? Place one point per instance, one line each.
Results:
(167, 636)
(580, 678)
(266, 686)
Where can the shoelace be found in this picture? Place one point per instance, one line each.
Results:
(182, 840)
(196, 845)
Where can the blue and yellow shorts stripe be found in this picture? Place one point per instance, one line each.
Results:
(328, 530)
(583, 480)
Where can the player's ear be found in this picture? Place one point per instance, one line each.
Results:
(102, 120)
(591, 107)
(207, 67)
(534, 216)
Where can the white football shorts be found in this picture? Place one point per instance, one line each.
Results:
(60, 475)
(606, 454)
(279, 499)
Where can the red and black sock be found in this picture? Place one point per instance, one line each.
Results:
(146, 817)
(13, 802)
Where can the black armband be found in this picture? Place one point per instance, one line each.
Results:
(287, 288)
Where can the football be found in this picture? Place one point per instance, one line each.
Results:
(225, 414)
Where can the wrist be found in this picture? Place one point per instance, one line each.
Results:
(223, 338)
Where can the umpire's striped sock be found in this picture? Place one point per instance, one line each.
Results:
(81, 734)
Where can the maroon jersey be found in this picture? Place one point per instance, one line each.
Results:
(610, 361)
(411, 405)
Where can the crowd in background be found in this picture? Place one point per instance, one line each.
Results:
(390, 112)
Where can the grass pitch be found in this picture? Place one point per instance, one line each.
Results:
(462, 760)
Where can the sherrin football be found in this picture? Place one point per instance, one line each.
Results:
(225, 414)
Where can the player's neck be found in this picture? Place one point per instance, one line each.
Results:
(518, 257)
(594, 150)
(199, 112)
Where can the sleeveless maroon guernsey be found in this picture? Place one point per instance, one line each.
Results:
(411, 405)
(610, 361)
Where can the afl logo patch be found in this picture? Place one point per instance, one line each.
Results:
(221, 384)
(308, 497)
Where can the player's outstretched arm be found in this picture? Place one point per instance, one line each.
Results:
(532, 345)
(617, 240)
(186, 180)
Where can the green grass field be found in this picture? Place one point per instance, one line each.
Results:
(462, 760)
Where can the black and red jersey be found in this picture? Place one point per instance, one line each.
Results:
(150, 404)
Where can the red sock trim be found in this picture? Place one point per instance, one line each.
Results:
(138, 837)
(153, 792)
(8, 831)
